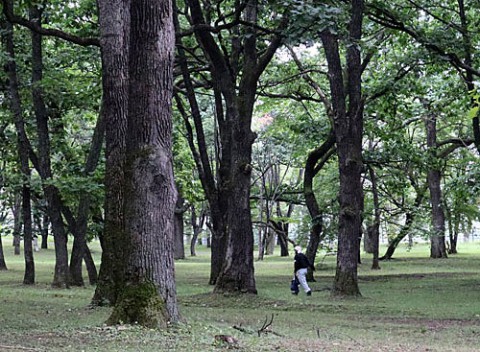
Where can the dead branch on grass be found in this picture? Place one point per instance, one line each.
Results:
(266, 327)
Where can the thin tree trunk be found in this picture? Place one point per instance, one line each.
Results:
(270, 243)
(114, 23)
(80, 229)
(3, 264)
(214, 189)
(437, 240)
(373, 231)
(23, 150)
(315, 162)
(17, 223)
(179, 246)
(90, 265)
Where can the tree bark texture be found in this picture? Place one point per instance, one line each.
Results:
(149, 294)
(114, 23)
(348, 128)
(437, 239)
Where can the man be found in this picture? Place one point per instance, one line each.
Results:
(302, 263)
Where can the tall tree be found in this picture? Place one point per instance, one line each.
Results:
(434, 178)
(148, 294)
(347, 104)
(44, 168)
(114, 22)
(236, 49)
(23, 151)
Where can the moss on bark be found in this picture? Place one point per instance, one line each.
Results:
(140, 304)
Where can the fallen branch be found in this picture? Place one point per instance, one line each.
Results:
(266, 328)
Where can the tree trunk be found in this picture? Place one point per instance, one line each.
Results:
(44, 232)
(90, 265)
(29, 277)
(214, 189)
(23, 150)
(114, 23)
(3, 264)
(283, 242)
(453, 225)
(81, 224)
(437, 240)
(315, 161)
(270, 243)
(468, 48)
(179, 247)
(148, 296)
(237, 273)
(52, 195)
(373, 231)
(234, 100)
(348, 129)
(17, 223)
(197, 226)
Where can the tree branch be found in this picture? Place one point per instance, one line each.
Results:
(12, 18)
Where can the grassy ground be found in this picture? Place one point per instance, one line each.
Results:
(412, 304)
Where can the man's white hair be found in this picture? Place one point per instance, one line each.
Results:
(298, 249)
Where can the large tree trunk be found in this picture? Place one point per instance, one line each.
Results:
(114, 23)
(437, 239)
(234, 99)
(237, 274)
(148, 296)
(348, 128)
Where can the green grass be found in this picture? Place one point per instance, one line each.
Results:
(412, 304)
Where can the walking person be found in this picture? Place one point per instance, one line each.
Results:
(301, 265)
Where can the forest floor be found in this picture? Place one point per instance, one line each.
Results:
(412, 304)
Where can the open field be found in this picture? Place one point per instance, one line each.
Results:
(412, 304)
